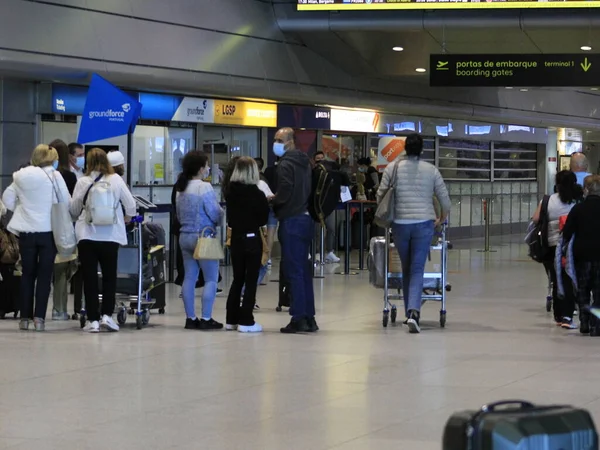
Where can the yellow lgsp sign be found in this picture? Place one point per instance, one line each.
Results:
(252, 114)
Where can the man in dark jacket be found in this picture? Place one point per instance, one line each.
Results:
(296, 229)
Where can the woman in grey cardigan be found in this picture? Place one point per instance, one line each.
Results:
(414, 219)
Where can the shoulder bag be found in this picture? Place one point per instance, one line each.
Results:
(61, 223)
(384, 215)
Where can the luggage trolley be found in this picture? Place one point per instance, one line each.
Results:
(134, 276)
(389, 276)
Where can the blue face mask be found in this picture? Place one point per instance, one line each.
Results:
(278, 149)
(55, 165)
(80, 161)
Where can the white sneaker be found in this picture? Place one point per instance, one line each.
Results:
(109, 324)
(256, 328)
(229, 327)
(332, 258)
(93, 327)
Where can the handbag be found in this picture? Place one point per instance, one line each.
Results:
(62, 224)
(265, 246)
(208, 247)
(384, 215)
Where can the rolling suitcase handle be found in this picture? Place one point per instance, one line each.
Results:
(472, 426)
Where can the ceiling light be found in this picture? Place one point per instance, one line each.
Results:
(586, 48)
(397, 49)
(524, 90)
(593, 89)
(508, 87)
(420, 70)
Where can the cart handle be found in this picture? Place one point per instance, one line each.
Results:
(137, 219)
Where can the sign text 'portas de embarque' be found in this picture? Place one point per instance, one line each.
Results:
(515, 70)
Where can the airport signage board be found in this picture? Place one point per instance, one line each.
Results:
(370, 5)
(359, 121)
(309, 117)
(229, 112)
(515, 70)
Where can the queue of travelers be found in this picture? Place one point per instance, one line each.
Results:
(571, 246)
(257, 204)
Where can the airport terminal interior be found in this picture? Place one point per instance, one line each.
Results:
(504, 95)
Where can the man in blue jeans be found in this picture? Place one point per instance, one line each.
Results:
(296, 229)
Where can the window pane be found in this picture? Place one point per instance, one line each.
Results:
(461, 159)
(148, 152)
(514, 160)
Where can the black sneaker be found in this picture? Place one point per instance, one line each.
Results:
(312, 325)
(413, 322)
(296, 326)
(211, 324)
(192, 324)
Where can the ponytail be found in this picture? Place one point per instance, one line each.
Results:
(182, 182)
(191, 164)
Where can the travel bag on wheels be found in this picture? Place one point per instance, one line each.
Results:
(520, 425)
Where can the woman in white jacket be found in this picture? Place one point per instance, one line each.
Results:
(98, 244)
(33, 191)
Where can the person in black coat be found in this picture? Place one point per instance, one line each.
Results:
(247, 211)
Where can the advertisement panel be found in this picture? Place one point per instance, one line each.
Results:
(354, 120)
(228, 112)
(191, 109)
(388, 149)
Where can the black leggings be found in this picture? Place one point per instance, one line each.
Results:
(246, 255)
(562, 306)
(105, 254)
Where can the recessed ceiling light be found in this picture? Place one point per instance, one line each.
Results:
(593, 89)
(524, 90)
(508, 87)
(420, 70)
(397, 49)
(586, 48)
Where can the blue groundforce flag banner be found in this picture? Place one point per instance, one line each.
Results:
(108, 112)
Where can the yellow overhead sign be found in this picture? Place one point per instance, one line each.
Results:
(252, 114)
(364, 5)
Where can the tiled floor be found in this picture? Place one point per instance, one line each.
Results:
(352, 386)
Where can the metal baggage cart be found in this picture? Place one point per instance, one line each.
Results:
(435, 282)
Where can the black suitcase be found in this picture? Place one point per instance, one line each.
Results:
(285, 293)
(519, 425)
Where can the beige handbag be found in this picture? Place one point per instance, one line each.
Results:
(208, 247)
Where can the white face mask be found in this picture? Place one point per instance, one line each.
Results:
(206, 173)
(278, 149)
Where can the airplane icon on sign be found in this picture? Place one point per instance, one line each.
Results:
(442, 65)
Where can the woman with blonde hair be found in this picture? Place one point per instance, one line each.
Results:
(99, 240)
(33, 191)
(247, 211)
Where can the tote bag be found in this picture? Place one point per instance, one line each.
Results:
(62, 224)
(208, 247)
(384, 215)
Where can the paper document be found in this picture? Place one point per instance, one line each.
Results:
(345, 194)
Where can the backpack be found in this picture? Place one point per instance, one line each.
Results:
(100, 203)
(537, 237)
(325, 193)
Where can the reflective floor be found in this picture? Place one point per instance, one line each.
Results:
(354, 385)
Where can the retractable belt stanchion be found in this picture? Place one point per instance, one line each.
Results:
(318, 264)
(347, 229)
(486, 211)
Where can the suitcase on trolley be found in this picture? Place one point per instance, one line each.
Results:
(519, 425)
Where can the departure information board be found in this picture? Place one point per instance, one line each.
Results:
(366, 5)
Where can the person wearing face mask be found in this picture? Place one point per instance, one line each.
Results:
(371, 177)
(65, 267)
(30, 196)
(296, 229)
(77, 159)
(117, 161)
(197, 208)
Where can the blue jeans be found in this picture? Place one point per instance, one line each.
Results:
(413, 242)
(295, 235)
(192, 267)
